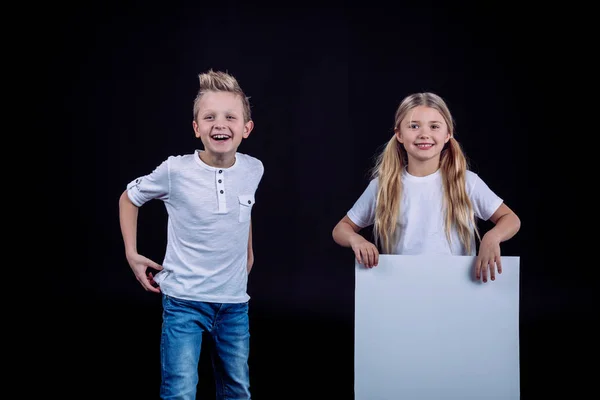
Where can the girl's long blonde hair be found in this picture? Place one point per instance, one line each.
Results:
(388, 169)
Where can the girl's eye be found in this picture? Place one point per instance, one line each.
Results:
(435, 127)
(413, 126)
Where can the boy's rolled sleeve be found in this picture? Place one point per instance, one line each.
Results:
(152, 186)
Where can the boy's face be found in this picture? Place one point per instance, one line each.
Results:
(220, 123)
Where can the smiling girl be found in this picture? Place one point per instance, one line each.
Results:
(422, 199)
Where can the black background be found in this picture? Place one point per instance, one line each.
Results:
(324, 83)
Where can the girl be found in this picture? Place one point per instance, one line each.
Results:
(422, 199)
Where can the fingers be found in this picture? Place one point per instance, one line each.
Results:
(486, 268)
(492, 269)
(156, 266)
(368, 256)
(154, 289)
(486, 265)
(149, 283)
(145, 277)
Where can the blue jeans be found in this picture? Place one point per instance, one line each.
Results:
(184, 322)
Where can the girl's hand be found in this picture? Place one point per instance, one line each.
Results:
(488, 259)
(365, 251)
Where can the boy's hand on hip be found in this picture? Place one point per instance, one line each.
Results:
(141, 266)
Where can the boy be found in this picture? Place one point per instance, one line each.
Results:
(209, 197)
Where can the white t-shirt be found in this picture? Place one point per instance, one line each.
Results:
(421, 223)
(209, 213)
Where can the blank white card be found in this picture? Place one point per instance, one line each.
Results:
(425, 329)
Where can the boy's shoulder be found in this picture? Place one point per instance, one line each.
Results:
(182, 157)
(251, 161)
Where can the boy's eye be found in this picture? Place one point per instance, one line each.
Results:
(208, 117)
(230, 117)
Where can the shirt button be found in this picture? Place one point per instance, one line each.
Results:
(220, 181)
(221, 192)
(249, 202)
(220, 171)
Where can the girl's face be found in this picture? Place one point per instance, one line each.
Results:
(423, 133)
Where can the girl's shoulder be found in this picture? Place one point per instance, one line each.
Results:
(472, 177)
(475, 183)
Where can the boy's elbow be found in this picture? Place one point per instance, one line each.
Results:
(124, 200)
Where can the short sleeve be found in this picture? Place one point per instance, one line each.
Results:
(485, 201)
(362, 212)
(152, 186)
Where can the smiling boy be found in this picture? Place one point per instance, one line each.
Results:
(209, 196)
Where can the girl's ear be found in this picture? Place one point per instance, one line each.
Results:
(398, 134)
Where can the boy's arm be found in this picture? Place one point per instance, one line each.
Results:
(250, 251)
(128, 216)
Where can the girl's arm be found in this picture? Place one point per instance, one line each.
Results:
(345, 233)
(506, 225)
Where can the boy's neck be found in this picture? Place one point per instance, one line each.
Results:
(217, 160)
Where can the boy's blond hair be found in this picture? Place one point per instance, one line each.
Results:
(218, 81)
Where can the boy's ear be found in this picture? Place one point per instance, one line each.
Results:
(195, 126)
(248, 128)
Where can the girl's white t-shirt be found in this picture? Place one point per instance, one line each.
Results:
(421, 223)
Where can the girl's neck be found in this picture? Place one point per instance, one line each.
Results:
(217, 160)
(424, 168)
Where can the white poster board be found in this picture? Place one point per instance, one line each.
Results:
(425, 329)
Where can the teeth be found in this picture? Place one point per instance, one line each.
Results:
(220, 137)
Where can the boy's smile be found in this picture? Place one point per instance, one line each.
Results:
(221, 127)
